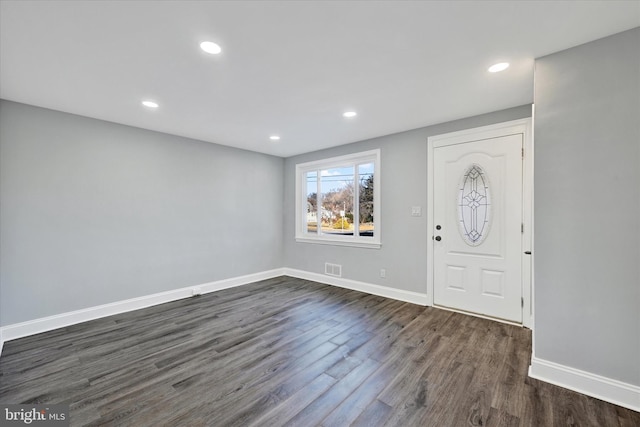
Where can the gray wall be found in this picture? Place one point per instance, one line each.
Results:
(94, 212)
(403, 185)
(587, 207)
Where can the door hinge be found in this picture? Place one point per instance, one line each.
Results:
(522, 227)
(522, 302)
(523, 153)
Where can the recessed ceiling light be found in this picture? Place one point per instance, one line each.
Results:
(211, 47)
(274, 138)
(501, 66)
(349, 114)
(150, 104)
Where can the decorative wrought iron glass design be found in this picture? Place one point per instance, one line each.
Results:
(474, 205)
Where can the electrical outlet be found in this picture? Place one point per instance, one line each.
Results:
(416, 210)
(383, 273)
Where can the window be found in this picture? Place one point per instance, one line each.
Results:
(338, 200)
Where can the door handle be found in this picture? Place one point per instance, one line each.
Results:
(438, 238)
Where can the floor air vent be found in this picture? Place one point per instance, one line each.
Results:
(333, 269)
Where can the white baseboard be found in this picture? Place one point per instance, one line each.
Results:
(383, 291)
(603, 388)
(609, 390)
(36, 326)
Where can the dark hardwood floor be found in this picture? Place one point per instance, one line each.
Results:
(289, 352)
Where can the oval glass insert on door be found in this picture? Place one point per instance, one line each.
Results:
(474, 205)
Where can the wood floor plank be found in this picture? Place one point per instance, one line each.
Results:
(318, 410)
(281, 414)
(287, 351)
(499, 418)
(354, 404)
(374, 415)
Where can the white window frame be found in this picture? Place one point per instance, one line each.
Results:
(372, 156)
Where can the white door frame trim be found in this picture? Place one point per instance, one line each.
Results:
(521, 126)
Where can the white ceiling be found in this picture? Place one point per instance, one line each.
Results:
(287, 68)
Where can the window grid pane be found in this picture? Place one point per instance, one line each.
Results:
(365, 200)
(337, 190)
(311, 223)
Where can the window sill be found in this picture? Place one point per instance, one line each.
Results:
(335, 242)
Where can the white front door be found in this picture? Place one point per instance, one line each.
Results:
(477, 223)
